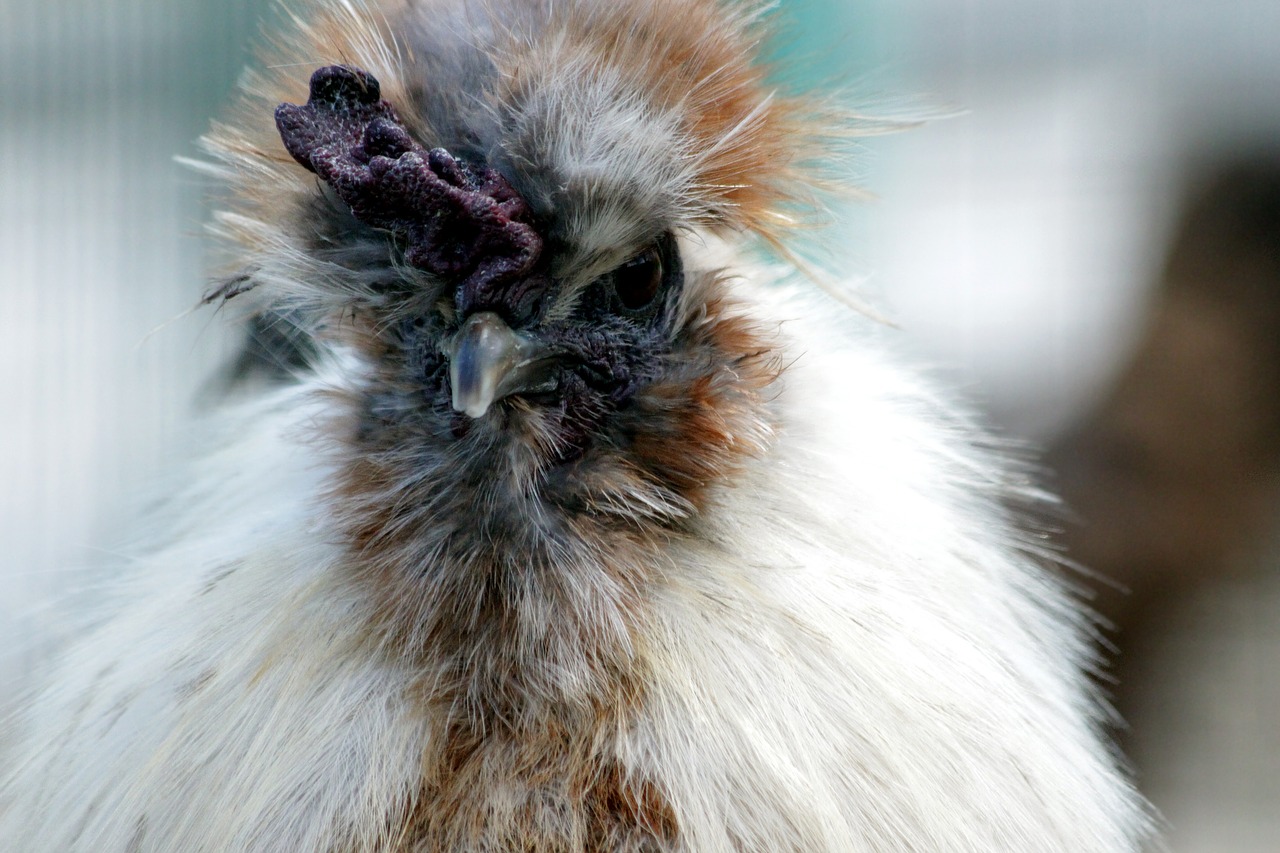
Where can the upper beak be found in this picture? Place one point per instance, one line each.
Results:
(488, 360)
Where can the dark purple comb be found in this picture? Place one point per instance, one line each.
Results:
(467, 225)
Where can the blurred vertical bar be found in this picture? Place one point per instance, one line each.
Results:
(849, 51)
(99, 246)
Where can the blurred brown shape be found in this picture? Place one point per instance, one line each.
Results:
(1173, 477)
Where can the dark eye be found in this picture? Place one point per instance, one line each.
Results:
(638, 281)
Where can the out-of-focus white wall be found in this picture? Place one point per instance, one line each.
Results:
(1014, 241)
(100, 258)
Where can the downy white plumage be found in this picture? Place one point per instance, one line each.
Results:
(577, 530)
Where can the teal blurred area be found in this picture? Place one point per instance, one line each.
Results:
(101, 258)
(833, 44)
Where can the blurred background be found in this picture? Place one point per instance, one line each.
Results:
(1089, 248)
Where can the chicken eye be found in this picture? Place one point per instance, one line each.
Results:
(638, 281)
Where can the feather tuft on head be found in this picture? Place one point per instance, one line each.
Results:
(610, 121)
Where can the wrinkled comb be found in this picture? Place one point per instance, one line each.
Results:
(465, 224)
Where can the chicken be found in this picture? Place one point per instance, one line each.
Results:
(575, 525)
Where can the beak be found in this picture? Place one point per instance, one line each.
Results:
(488, 360)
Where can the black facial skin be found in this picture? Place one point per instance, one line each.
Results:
(612, 343)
